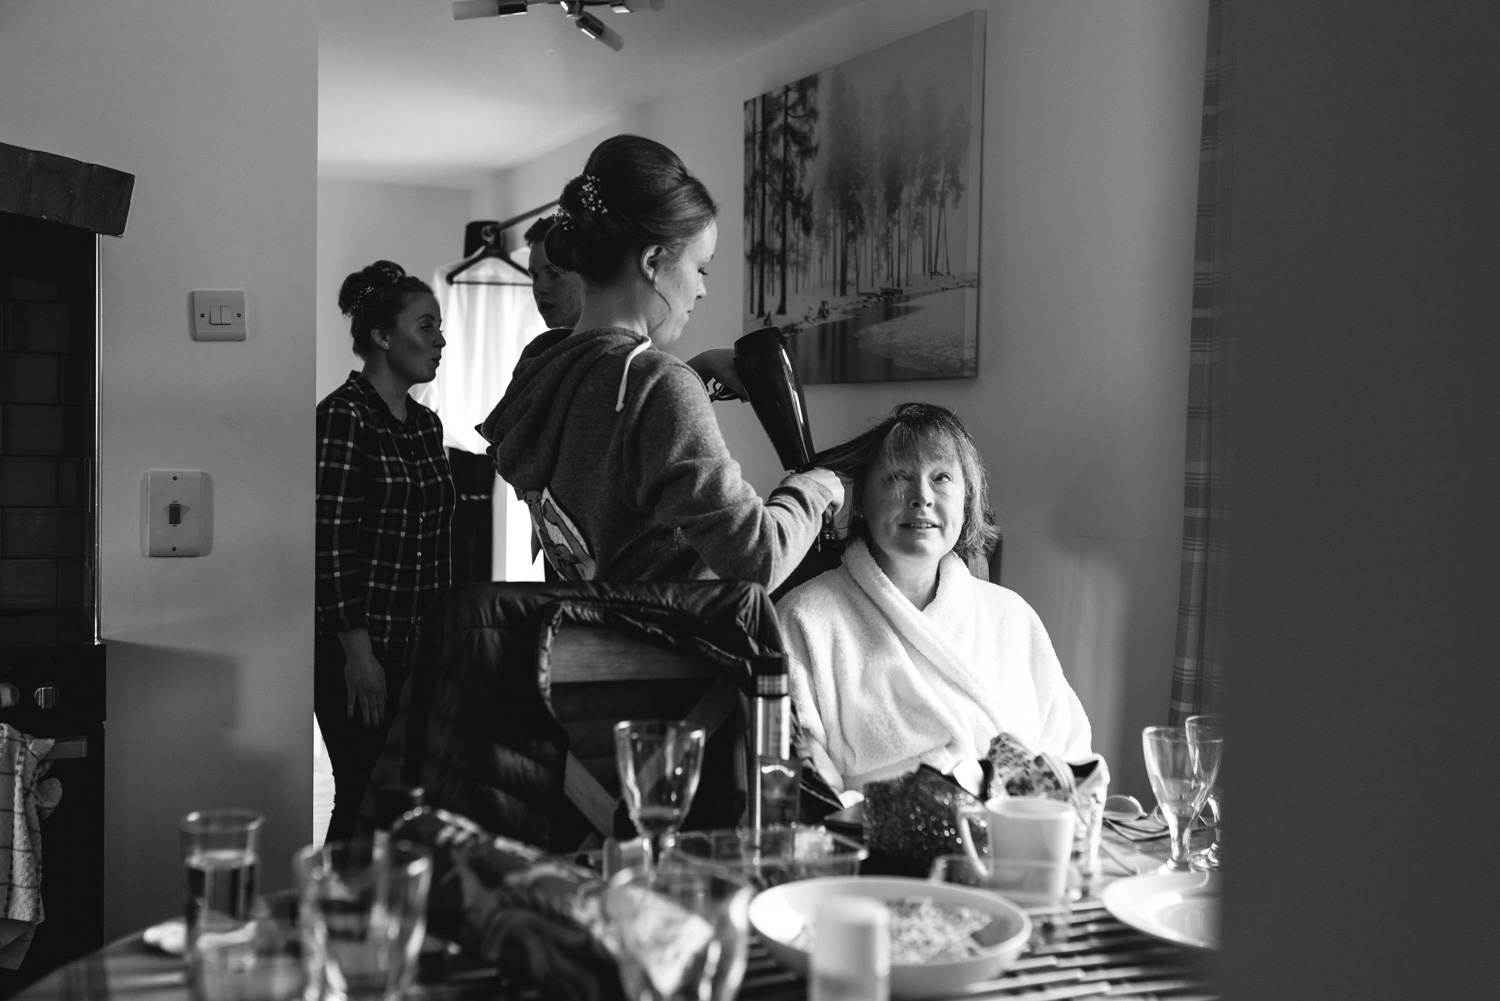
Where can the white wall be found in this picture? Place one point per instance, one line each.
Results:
(1091, 125)
(359, 222)
(212, 105)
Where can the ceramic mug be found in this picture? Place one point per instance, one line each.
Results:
(1021, 829)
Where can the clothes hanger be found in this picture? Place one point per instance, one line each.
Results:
(492, 244)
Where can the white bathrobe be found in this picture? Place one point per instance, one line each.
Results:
(880, 686)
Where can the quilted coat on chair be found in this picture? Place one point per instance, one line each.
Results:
(478, 727)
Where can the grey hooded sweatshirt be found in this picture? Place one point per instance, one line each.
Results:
(614, 447)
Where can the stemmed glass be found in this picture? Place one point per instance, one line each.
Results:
(659, 762)
(1182, 771)
(1198, 727)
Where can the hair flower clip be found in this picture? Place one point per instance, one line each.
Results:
(562, 218)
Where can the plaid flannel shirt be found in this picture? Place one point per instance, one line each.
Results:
(385, 515)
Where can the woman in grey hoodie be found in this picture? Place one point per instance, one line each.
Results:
(611, 441)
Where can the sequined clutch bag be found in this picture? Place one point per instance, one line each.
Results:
(910, 820)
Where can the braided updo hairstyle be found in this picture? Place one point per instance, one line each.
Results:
(373, 297)
(633, 193)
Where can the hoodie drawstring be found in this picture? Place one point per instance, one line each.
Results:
(620, 399)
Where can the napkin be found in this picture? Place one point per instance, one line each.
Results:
(1140, 829)
(29, 798)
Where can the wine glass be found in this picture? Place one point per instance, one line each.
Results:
(1181, 773)
(659, 762)
(1211, 725)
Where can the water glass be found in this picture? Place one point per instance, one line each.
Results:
(1181, 770)
(770, 856)
(255, 960)
(682, 933)
(1088, 799)
(659, 763)
(1198, 727)
(363, 916)
(220, 862)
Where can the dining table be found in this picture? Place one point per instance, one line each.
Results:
(1092, 955)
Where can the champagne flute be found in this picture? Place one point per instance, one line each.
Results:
(1181, 773)
(659, 762)
(1211, 725)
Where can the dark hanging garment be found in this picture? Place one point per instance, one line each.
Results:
(473, 524)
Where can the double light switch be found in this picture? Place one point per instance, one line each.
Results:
(218, 316)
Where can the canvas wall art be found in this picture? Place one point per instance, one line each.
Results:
(862, 210)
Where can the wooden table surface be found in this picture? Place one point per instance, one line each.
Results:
(1098, 957)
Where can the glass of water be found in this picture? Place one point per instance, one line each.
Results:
(220, 863)
(363, 915)
(682, 933)
(257, 960)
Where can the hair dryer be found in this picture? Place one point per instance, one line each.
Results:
(765, 368)
(763, 365)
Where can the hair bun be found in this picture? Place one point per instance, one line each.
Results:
(358, 286)
(633, 193)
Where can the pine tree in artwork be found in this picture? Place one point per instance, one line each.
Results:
(799, 145)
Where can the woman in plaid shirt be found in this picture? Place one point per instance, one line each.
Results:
(385, 513)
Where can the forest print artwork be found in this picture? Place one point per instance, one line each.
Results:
(862, 211)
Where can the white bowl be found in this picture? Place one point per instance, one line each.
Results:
(780, 913)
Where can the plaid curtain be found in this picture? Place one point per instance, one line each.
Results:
(1197, 673)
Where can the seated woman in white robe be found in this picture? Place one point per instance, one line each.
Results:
(899, 656)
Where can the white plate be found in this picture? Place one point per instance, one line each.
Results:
(781, 912)
(1181, 907)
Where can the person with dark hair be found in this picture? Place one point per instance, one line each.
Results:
(610, 440)
(558, 293)
(385, 501)
(899, 657)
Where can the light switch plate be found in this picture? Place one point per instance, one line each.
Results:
(192, 494)
(219, 316)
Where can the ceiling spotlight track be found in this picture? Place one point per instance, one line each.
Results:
(465, 10)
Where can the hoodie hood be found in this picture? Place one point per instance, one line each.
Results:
(525, 428)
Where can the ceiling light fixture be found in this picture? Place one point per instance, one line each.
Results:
(596, 29)
(575, 10)
(466, 10)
